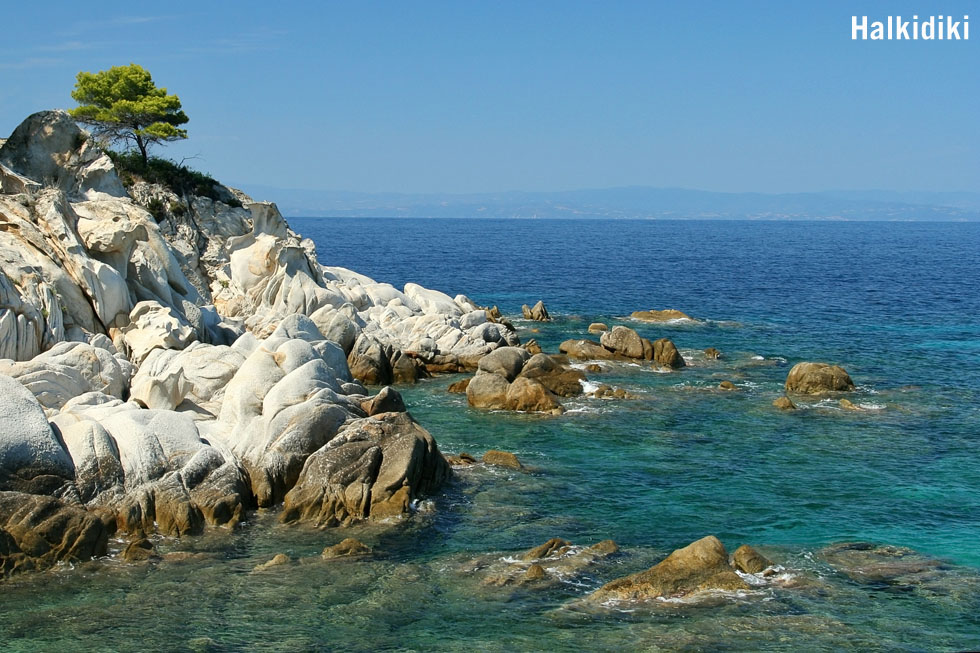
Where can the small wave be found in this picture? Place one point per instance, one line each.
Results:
(758, 358)
(872, 406)
(588, 386)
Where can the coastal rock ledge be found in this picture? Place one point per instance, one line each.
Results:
(168, 371)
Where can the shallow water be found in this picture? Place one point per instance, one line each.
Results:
(895, 303)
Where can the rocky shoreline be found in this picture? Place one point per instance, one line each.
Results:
(168, 371)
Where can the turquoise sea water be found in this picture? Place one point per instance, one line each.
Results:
(897, 304)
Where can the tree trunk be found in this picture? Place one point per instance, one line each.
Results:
(142, 145)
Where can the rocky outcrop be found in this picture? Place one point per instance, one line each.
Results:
(700, 566)
(537, 312)
(624, 343)
(818, 378)
(511, 379)
(38, 531)
(373, 469)
(545, 565)
(665, 354)
(749, 561)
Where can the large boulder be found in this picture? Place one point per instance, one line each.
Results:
(699, 566)
(555, 375)
(505, 361)
(488, 391)
(369, 361)
(626, 342)
(31, 457)
(528, 395)
(37, 531)
(586, 350)
(373, 469)
(818, 378)
(665, 354)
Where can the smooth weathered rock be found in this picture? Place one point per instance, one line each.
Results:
(529, 395)
(727, 385)
(701, 565)
(153, 326)
(586, 350)
(38, 531)
(626, 342)
(373, 469)
(557, 377)
(665, 354)
(748, 560)
(505, 361)
(488, 391)
(553, 548)
(538, 312)
(369, 362)
(386, 401)
(458, 387)
(666, 315)
(31, 457)
(818, 378)
(501, 459)
(597, 328)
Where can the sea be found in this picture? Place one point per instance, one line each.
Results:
(872, 516)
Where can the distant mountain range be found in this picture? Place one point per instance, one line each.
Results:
(629, 202)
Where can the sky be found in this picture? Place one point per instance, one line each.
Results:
(459, 97)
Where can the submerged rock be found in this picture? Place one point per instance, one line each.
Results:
(501, 459)
(701, 565)
(665, 315)
(748, 560)
(346, 548)
(818, 378)
(784, 403)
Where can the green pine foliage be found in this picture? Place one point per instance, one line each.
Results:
(123, 104)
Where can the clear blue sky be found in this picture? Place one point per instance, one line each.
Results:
(491, 96)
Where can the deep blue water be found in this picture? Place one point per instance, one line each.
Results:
(897, 304)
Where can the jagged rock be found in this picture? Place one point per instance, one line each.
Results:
(462, 459)
(346, 548)
(665, 354)
(626, 342)
(585, 350)
(532, 347)
(784, 403)
(501, 459)
(538, 312)
(818, 378)
(557, 377)
(406, 369)
(846, 404)
(701, 565)
(553, 548)
(38, 531)
(554, 561)
(748, 560)
(459, 387)
(373, 469)
(386, 401)
(660, 316)
(31, 457)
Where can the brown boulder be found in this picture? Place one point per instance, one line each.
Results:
(598, 327)
(532, 347)
(461, 459)
(665, 354)
(406, 369)
(748, 560)
(138, 550)
(624, 341)
(502, 459)
(538, 312)
(373, 468)
(505, 361)
(388, 400)
(660, 316)
(712, 354)
(784, 403)
(818, 378)
(459, 387)
(547, 370)
(278, 560)
(586, 350)
(369, 361)
(550, 549)
(727, 385)
(531, 396)
(487, 391)
(699, 566)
